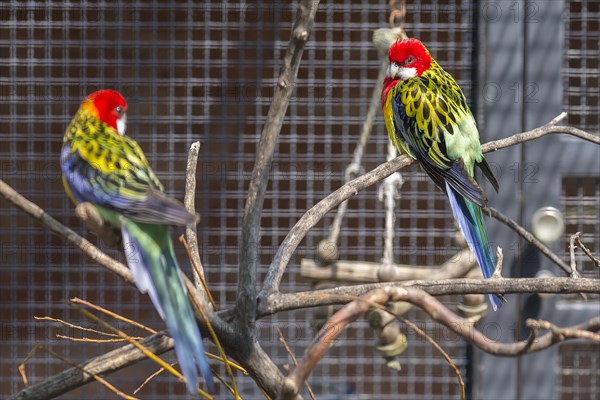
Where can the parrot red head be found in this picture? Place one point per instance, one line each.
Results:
(408, 58)
(109, 106)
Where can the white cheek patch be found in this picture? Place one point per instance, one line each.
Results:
(122, 124)
(407, 73)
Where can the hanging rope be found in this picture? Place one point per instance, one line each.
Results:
(328, 248)
(397, 14)
(388, 193)
(382, 38)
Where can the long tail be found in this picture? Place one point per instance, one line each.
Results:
(151, 257)
(470, 220)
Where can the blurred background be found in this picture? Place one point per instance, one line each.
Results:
(207, 71)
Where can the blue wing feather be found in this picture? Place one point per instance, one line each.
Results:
(88, 183)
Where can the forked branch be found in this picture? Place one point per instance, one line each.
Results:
(317, 212)
(439, 313)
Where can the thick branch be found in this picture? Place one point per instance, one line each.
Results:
(246, 302)
(279, 302)
(105, 364)
(318, 211)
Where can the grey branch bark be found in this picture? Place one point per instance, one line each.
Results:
(439, 313)
(105, 364)
(279, 302)
(246, 302)
(190, 230)
(528, 236)
(318, 211)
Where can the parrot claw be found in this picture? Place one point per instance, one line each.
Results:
(90, 216)
(393, 182)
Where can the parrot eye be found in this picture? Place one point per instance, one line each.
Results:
(409, 60)
(119, 110)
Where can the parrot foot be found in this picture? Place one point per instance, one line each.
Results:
(89, 214)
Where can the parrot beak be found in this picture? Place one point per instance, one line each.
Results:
(122, 124)
(392, 70)
(395, 71)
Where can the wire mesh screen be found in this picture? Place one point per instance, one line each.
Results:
(207, 71)
(581, 205)
(582, 64)
(578, 372)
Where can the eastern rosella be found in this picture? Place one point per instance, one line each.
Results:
(427, 117)
(102, 166)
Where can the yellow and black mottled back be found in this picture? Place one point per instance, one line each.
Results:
(110, 170)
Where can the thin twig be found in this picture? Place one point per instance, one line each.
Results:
(90, 340)
(189, 203)
(574, 273)
(104, 365)
(154, 374)
(216, 340)
(293, 357)
(587, 251)
(70, 325)
(440, 350)
(98, 378)
(146, 351)
(84, 373)
(198, 275)
(77, 300)
(498, 270)
(528, 236)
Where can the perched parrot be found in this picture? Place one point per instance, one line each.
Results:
(102, 166)
(427, 117)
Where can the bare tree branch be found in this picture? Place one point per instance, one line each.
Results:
(574, 273)
(249, 354)
(279, 302)
(246, 301)
(53, 225)
(439, 313)
(104, 364)
(324, 339)
(191, 234)
(586, 250)
(316, 213)
(528, 236)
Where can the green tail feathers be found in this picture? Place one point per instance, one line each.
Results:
(470, 219)
(151, 257)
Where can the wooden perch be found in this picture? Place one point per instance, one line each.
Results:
(365, 272)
